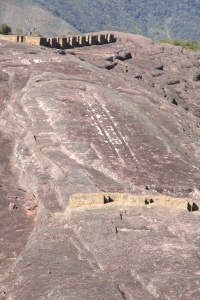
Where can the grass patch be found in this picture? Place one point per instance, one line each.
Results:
(189, 45)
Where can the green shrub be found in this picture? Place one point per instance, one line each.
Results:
(5, 29)
(189, 45)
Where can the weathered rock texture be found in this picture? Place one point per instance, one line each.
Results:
(119, 118)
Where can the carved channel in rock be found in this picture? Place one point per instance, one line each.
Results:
(110, 67)
(124, 56)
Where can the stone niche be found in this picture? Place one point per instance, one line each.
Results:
(64, 43)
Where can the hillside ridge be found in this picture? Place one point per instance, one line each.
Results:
(154, 19)
(30, 18)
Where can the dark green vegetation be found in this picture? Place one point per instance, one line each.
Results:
(5, 29)
(189, 45)
(155, 19)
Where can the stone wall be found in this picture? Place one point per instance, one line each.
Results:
(11, 38)
(62, 43)
(35, 40)
(96, 199)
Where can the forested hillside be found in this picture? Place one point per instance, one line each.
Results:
(26, 17)
(153, 18)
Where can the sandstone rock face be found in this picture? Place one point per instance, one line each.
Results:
(122, 118)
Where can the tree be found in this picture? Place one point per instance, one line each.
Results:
(5, 29)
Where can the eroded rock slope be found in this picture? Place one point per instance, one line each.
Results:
(119, 118)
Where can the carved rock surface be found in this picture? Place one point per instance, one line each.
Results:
(91, 123)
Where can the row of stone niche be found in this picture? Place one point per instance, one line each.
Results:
(67, 42)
